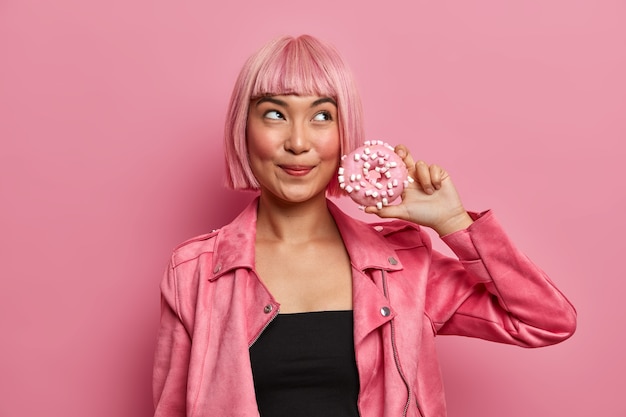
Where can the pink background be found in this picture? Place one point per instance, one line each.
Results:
(110, 123)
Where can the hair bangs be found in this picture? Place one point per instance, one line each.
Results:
(295, 70)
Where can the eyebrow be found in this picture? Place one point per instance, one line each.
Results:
(282, 103)
(324, 100)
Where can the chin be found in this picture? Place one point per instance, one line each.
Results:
(302, 197)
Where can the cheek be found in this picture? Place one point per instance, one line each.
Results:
(259, 147)
(331, 147)
(260, 152)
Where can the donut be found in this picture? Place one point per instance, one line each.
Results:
(373, 174)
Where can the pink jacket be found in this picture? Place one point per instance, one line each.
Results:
(214, 307)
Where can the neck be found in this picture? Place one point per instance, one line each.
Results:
(294, 222)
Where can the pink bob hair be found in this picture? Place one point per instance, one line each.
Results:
(287, 65)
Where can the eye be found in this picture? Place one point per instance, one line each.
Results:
(323, 116)
(274, 114)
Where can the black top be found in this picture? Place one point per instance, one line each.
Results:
(303, 366)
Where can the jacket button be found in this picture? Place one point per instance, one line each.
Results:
(385, 312)
(268, 309)
(217, 268)
(392, 260)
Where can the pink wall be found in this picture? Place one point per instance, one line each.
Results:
(110, 125)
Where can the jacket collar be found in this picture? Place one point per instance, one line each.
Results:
(365, 243)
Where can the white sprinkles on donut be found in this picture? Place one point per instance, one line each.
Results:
(373, 174)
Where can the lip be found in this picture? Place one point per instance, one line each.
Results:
(297, 170)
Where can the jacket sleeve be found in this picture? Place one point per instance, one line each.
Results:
(495, 292)
(172, 353)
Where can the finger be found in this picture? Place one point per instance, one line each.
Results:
(404, 153)
(423, 177)
(436, 175)
(393, 211)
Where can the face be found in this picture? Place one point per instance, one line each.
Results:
(293, 145)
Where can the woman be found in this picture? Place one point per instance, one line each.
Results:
(296, 309)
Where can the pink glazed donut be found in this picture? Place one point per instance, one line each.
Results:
(373, 174)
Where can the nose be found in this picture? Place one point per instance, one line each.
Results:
(298, 140)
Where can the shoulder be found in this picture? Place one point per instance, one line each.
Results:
(192, 249)
(401, 234)
(397, 234)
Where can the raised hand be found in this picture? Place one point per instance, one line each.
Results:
(431, 200)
